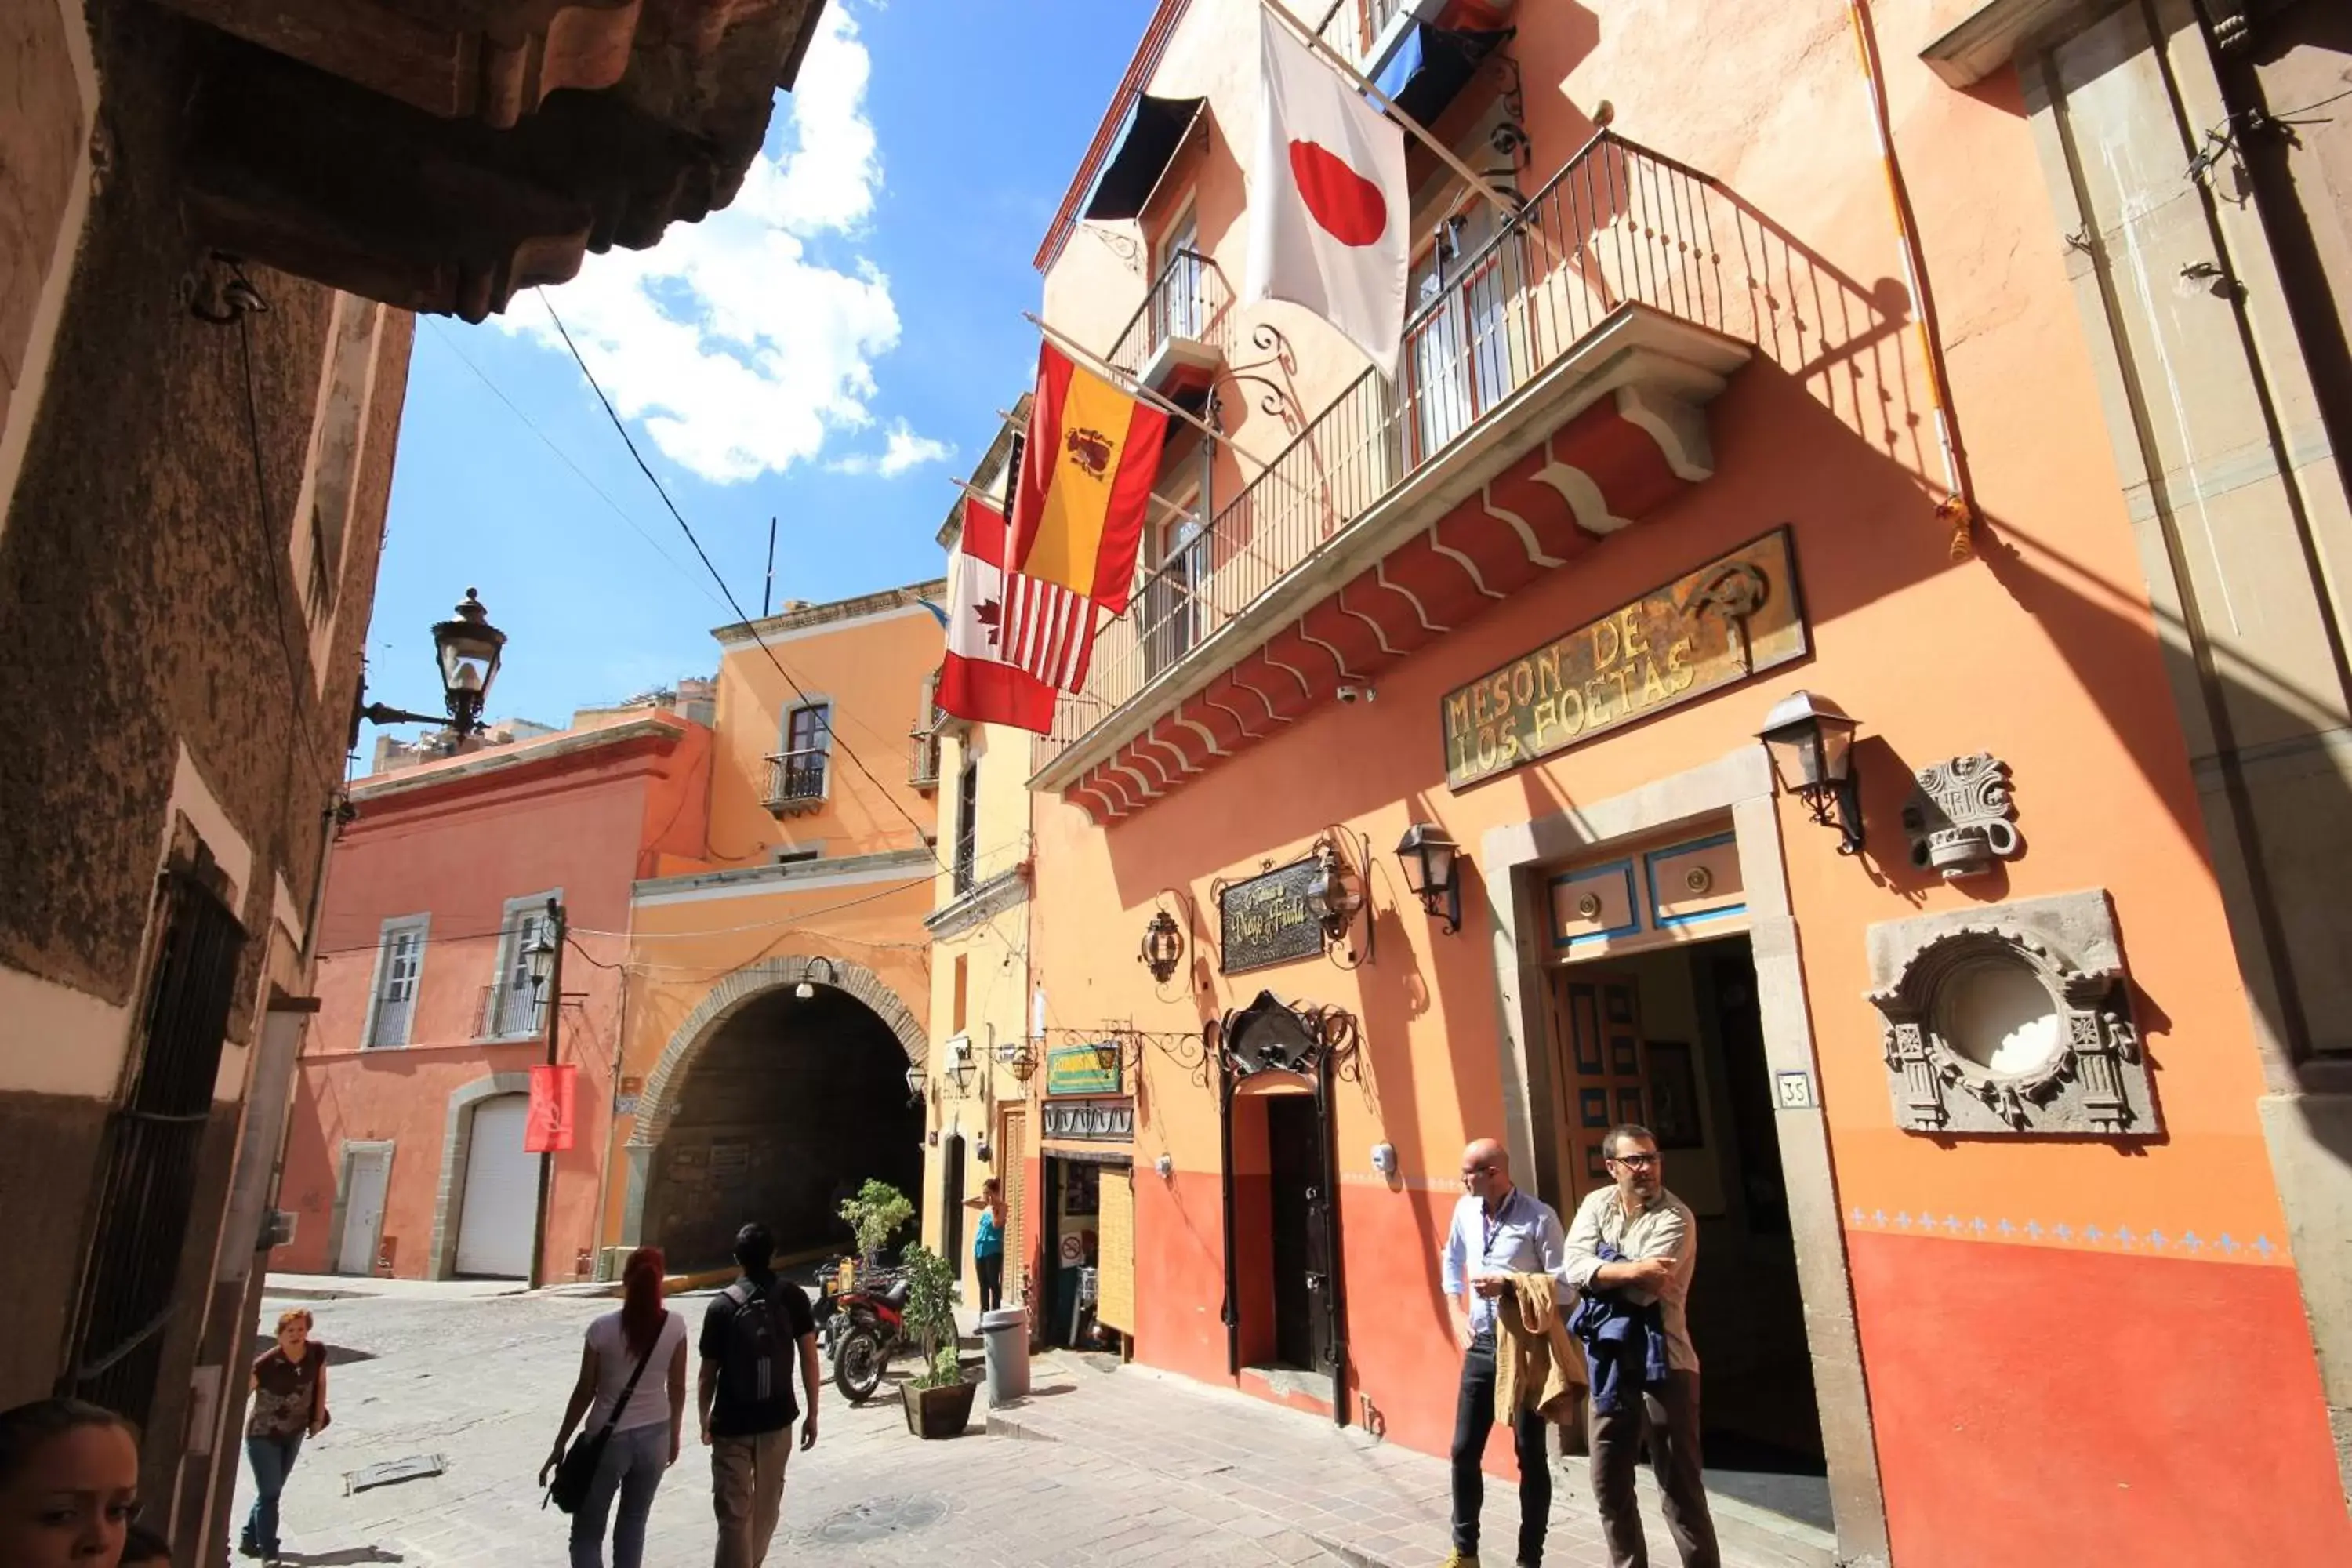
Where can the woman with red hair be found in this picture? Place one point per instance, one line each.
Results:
(632, 1376)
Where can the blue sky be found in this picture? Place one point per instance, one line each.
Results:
(825, 352)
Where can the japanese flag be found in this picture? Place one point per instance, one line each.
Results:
(1329, 210)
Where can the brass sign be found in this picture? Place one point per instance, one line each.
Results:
(1269, 919)
(1736, 617)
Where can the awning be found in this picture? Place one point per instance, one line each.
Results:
(1146, 144)
(1432, 66)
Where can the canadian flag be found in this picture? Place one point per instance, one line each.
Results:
(979, 681)
(1329, 208)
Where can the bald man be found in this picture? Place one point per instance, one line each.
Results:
(1498, 1231)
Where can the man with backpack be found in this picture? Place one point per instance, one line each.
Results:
(749, 1338)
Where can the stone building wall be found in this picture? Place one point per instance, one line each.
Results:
(159, 667)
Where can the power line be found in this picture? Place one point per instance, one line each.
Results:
(565, 457)
(824, 712)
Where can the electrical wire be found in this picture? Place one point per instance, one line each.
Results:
(824, 712)
(565, 459)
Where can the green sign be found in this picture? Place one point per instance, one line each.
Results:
(1083, 1070)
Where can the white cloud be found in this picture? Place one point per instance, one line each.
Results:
(737, 348)
(902, 450)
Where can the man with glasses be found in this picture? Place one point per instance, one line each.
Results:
(1655, 1243)
(1498, 1231)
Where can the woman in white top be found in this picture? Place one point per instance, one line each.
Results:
(645, 1440)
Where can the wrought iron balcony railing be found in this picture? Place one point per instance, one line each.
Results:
(1189, 302)
(509, 1011)
(923, 755)
(1617, 224)
(796, 781)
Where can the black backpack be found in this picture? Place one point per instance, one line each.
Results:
(747, 1375)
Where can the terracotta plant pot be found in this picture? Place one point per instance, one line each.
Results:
(939, 1412)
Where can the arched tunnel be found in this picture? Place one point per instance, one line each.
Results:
(787, 1108)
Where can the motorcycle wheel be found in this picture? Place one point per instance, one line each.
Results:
(858, 1364)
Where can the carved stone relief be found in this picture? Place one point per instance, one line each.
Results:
(2015, 1019)
(1959, 818)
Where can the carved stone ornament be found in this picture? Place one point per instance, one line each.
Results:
(2014, 1019)
(1959, 818)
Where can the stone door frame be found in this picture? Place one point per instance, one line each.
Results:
(1514, 859)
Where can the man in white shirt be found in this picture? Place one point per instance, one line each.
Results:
(1498, 1231)
(1657, 1242)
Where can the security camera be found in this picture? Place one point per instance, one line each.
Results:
(1357, 694)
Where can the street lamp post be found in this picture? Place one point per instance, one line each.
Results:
(545, 957)
(467, 649)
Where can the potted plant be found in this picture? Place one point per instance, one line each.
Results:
(939, 1401)
(878, 1212)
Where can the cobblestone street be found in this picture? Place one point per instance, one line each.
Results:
(1137, 1468)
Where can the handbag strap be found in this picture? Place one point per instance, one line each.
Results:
(612, 1417)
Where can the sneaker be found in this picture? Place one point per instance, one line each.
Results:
(1457, 1558)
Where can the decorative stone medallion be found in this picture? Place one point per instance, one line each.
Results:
(2014, 1019)
(1959, 818)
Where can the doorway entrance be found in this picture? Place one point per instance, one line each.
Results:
(499, 1212)
(367, 1176)
(1301, 1334)
(951, 1152)
(1672, 1038)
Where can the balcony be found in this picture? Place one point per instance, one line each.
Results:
(1176, 341)
(509, 1012)
(796, 781)
(1550, 393)
(923, 756)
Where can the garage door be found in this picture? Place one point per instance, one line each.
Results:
(494, 1225)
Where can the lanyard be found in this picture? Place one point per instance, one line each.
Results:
(1493, 1225)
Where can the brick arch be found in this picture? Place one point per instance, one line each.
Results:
(726, 998)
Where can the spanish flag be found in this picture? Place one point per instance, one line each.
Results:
(1086, 473)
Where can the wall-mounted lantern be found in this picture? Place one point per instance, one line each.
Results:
(961, 1067)
(1432, 870)
(1811, 740)
(1164, 946)
(805, 989)
(1337, 889)
(915, 1078)
(468, 648)
(1019, 1057)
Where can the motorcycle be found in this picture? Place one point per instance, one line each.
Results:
(863, 1323)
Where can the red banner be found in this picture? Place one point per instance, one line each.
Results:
(549, 1130)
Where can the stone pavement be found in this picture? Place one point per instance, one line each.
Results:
(1145, 1468)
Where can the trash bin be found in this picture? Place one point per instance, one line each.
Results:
(1004, 1348)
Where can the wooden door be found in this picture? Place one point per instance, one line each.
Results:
(369, 1178)
(1602, 1068)
(1296, 1179)
(1012, 1170)
(1115, 1250)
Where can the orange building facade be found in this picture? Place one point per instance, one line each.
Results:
(745, 978)
(1981, 1122)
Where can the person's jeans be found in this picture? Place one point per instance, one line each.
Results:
(747, 1493)
(1668, 1418)
(272, 1459)
(1473, 1418)
(990, 1266)
(631, 1465)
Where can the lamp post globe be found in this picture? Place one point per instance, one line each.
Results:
(468, 647)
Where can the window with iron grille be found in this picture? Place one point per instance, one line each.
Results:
(154, 1141)
(967, 847)
(512, 1008)
(399, 970)
(799, 773)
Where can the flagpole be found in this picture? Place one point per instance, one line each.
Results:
(1111, 372)
(1168, 508)
(1314, 41)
